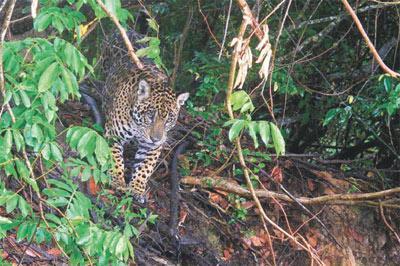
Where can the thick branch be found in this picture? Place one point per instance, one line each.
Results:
(374, 52)
(336, 199)
(128, 44)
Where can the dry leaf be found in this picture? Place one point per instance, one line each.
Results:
(277, 175)
(256, 241)
(54, 252)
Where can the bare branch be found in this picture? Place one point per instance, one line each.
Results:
(128, 44)
(374, 52)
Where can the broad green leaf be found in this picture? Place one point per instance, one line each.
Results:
(7, 142)
(25, 98)
(330, 115)
(60, 184)
(42, 21)
(5, 220)
(253, 129)
(11, 203)
(18, 139)
(263, 127)
(238, 99)
(70, 81)
(48, 77)
(46, 152)
(24, 207)
(236, 129)
(86, 174)
(102, 150)
(55, 151)
(84, 143)
(279, 142)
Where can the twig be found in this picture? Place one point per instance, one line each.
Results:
(225, 30)
(374, 52)
(336, 199)
(128, 44)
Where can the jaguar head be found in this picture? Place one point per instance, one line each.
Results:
(156, 111)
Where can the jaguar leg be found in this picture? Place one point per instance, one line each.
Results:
(146, 160)
(118, 179)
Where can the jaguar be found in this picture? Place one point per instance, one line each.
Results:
(138, 105)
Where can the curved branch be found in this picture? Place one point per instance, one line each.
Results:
(374, 52)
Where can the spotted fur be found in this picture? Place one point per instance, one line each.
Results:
(138, 105)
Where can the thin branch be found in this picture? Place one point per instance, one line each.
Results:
(374, 52)
(128, 44)
(225, 30)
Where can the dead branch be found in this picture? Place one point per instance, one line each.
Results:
(336, 199)
(128, 44)
(371, 46)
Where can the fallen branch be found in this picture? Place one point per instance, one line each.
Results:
(336, 199)
(128, 44)
(374, 52)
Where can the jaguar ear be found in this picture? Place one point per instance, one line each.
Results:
(181, 99)
(143, 90)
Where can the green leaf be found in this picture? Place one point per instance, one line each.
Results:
(84, 144)
(279, 142)
(18, 139)
(25, 99)
(11, 203)
(387, 82)
(264, 130)
(60, 184)
(7, 142)
(330, 115)
(48, 77)
(236, 129)
(253, 129)
(102, 150)
(46, 151)
(55, 151)
(111, 6)
(238, 99)
(42, 21)
(70, 81)
(24, 207)
(86, 174)
(153, 24)
(5, 220)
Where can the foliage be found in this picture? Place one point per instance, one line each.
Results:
(40, 75)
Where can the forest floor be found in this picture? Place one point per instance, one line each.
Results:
(341, 234)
